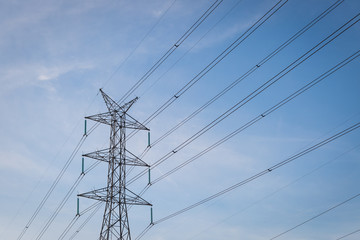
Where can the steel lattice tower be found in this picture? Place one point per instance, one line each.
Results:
(117, 197)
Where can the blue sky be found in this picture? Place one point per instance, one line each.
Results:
(55, 55)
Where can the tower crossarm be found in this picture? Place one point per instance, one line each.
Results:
(133, 160)
(102, 195)
(134, 199)
(103, 155)
(107, 118)
(104, 118)
(98, 194)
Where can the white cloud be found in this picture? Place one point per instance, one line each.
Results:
(14, 77)
(19, 163)
(48, 73)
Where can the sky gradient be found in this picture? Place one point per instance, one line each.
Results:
(55, 55)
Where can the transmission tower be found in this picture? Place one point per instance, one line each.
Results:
(116, 195)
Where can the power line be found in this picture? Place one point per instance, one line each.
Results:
(52, 187)
(39, 181)
(316, 169)
(60, 206)
(191, 48)
(264, 114)
(172, 49)
(342, 237)
(76, 218)
(328, 162)
(266, 171)
(252, 178)
(144, 231)
(96, 207)
(69, 226)
(141, 41)
(249, 72)
(282, 188)
(316, 216)
(81, 140)
(256, 92)
(56, 181)
(56, 213)
(216, 61)
(300, 91)
(86, 221)
(32, 218)
(77, 146)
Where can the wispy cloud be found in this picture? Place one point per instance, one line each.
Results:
(18, 163)
(14, 77)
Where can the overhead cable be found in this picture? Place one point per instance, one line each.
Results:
(83, 138)
(264, 114)
(169, 52)
(214, 62)
(86, 221)
(232, 8)
(249, 72)
(32, 218)
(76, 218)
(52, 187)
(60, 206)
(68, 227)
(279, 189)
(349, 234)
(316, 216)
(254, 177)
(266, 171)
(292, 96)
(144, 231)
(141, 41)
(256, 92)
(172, 49)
